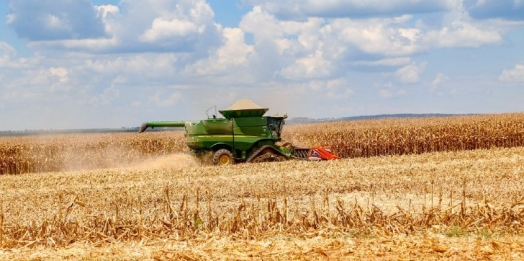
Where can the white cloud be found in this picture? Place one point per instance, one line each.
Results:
(384, 36)
(164, 29)
(234, 55)
(336, 89)
(462, 34)
(138, 67)
(46, 80)
(439, 80)
(110, 94)
(107, 13)
(307, 68)
(48, 20)
(57, 23)
(172, 53)
(173, 23)
(60, 73)
(410, 73)
(385, 94)
(185, 26)
(7, 52)
(389, 90)
(513, 75)
(105, 10)
(261, 24)
(162, 100)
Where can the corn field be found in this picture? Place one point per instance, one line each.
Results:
(412, 136)
(348, 139)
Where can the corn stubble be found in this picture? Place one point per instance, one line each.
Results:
(456, 204)
(434, 202)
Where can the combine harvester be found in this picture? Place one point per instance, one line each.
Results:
(243, 135)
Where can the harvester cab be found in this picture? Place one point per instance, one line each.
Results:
(244, 134)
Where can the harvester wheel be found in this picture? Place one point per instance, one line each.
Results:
(223, 157)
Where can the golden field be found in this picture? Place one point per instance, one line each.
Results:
(165, 205)
(46, 153)
(370, 138)
(367, 138)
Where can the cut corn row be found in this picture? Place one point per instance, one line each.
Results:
(186, 220)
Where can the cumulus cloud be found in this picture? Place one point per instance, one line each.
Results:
(439, 80)
(316, 48)
(513, 75)
(38, 20)
(488, 9)
(60, 73)
(108, 95)
(384, 36)
(134, 26)
(177, 21)
(410, 73)
(166, 100)
(462, 34)
(234, 55)
(389, 90)
(335, 89)
(289, 53)
(307, 68)
(7, 52)
(163, 28)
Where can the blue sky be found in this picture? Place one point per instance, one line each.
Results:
(92, 64)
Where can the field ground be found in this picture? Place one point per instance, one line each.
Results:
(447, 205)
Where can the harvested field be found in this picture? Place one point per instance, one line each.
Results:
(140, 197)
(451, 205)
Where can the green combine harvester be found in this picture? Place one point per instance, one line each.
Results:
(243, 135)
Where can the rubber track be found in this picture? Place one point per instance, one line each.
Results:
(256, 153)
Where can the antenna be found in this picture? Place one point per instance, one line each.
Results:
(214, 115)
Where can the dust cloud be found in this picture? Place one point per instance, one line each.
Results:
(121, 158)
(172, 161)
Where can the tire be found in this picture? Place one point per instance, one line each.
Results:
(223, 157)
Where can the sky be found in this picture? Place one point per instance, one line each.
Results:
(72, 64)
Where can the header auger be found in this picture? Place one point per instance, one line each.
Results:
(243, 135)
